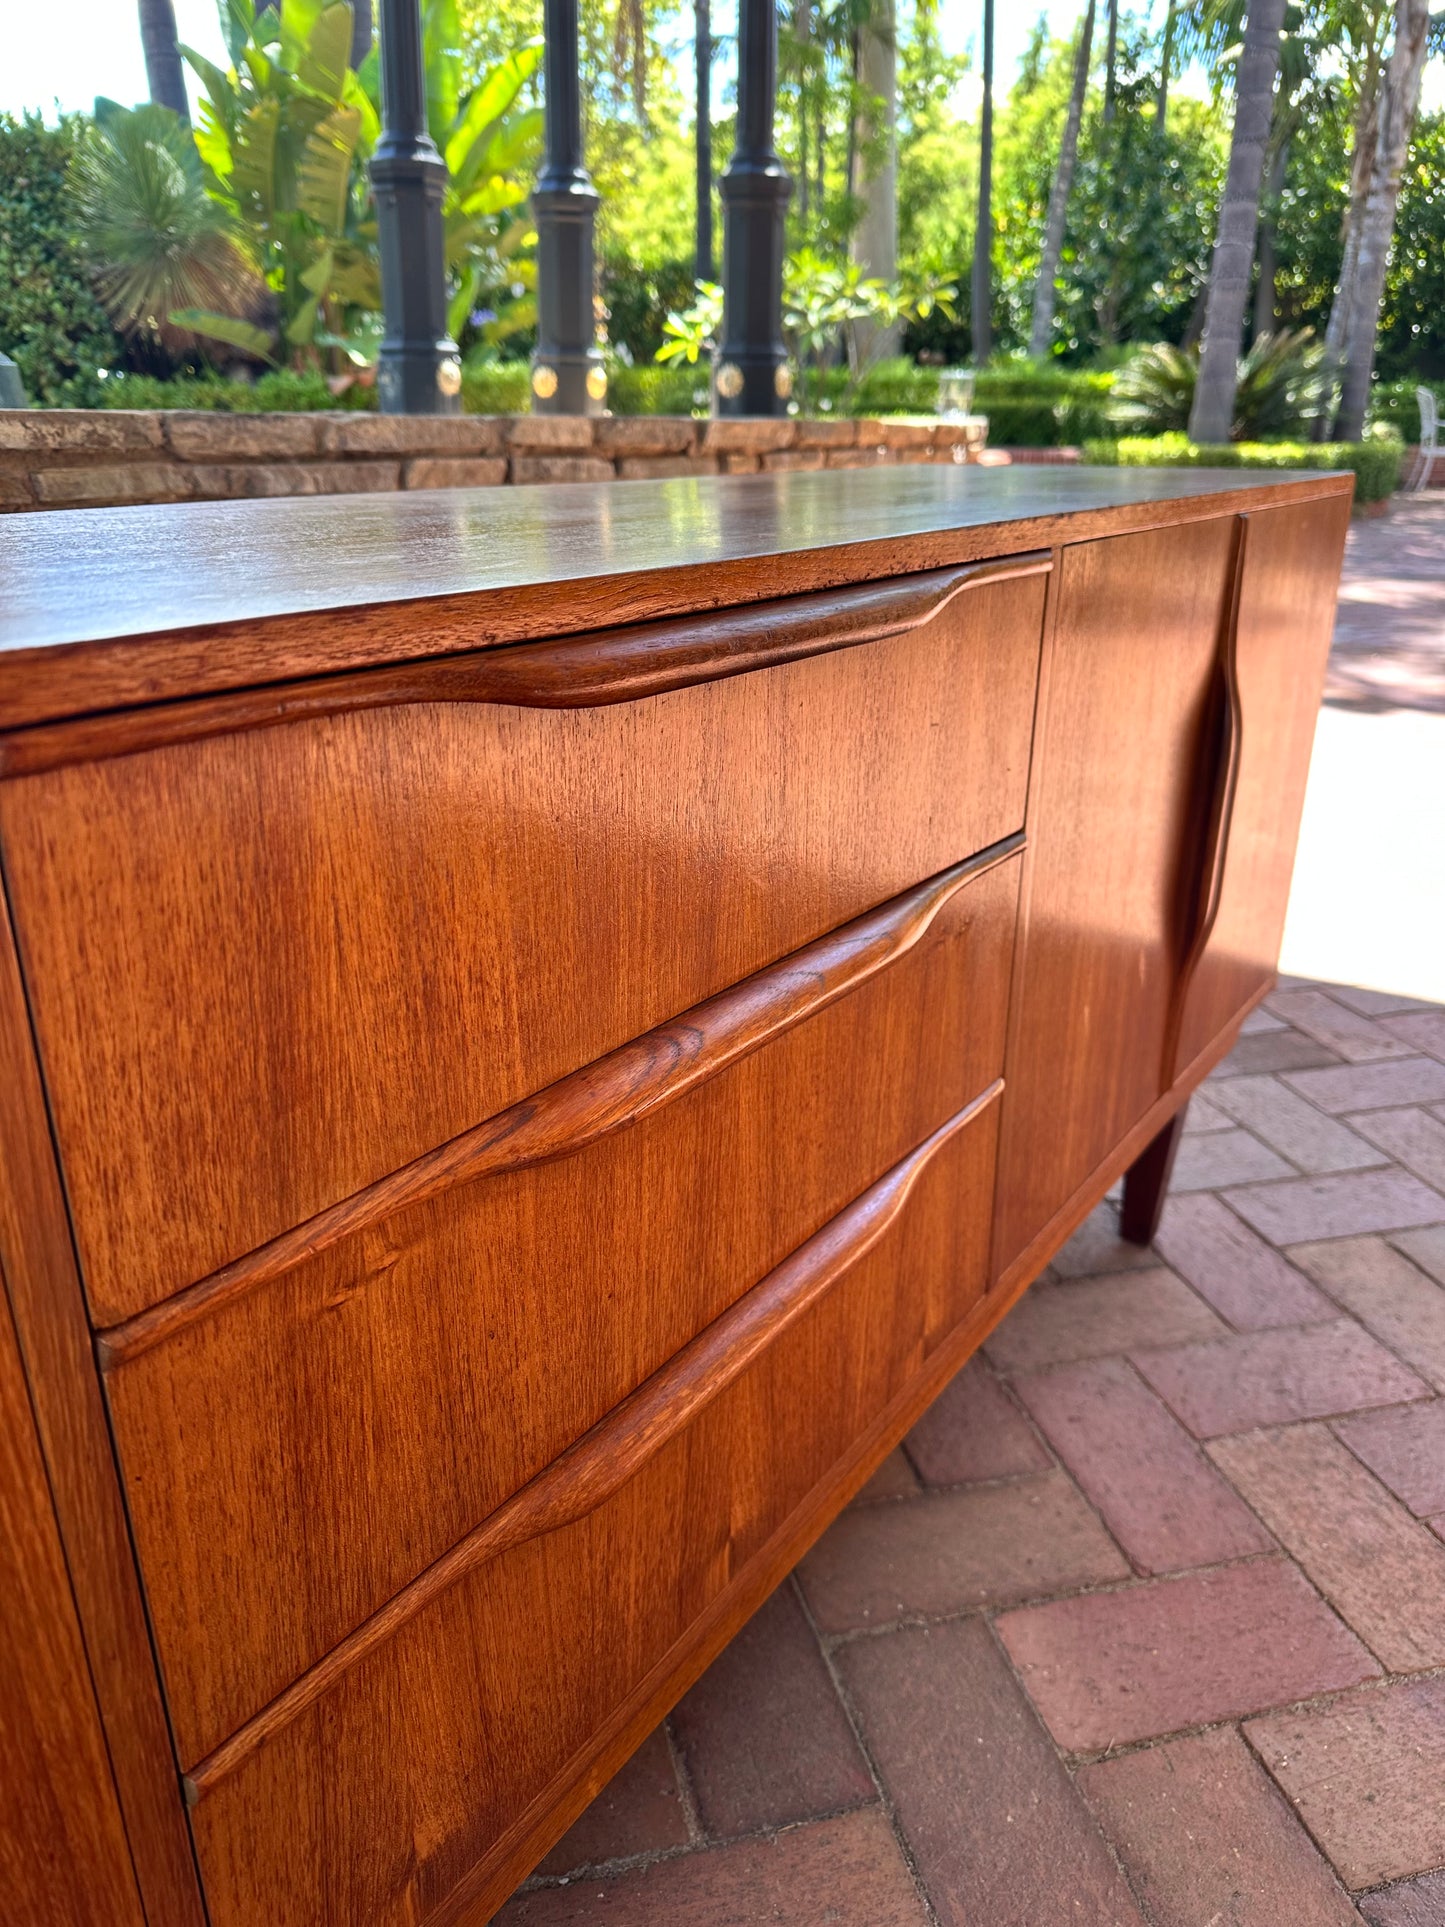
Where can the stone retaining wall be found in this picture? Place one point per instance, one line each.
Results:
(95, 458)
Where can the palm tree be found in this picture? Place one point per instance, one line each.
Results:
(1041, 327)
(981, 293)
(1166, 64)
(1399, 98)
(1111, 63)
(165, 77)
(1233, 262)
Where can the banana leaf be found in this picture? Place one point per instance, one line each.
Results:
(226, 327)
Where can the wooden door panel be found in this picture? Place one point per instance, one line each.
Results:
(1289, 575)
(271, 965)
(396, 1771)
(1114, 848)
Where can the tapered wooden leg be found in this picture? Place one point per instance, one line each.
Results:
(1146, 1181)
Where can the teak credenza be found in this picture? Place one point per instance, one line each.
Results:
(538, 1028)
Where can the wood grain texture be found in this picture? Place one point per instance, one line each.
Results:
(397, 1785)
(619, 1090)
(1115, 829)
(49, 1316)
(268, 969)
(64, 1860)
(117, 607)
(614, 666)
(1281, 645)
(402, 1387)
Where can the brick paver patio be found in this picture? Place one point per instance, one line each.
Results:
(1146, 1620)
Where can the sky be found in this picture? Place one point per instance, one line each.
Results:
(87, 47)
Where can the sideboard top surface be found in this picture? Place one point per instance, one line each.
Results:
(105, 608)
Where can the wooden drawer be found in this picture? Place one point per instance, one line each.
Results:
(407, 1365)
(396, 1777)
(290, 940)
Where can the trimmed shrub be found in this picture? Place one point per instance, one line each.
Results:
(1376, 463)
(675, 388)
(281, 391)
(497, 388)
(51, 324)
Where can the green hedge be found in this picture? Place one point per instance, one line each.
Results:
(281, 392)
(51, 324)
(653, 388)
(1376, 464)
(497, 388)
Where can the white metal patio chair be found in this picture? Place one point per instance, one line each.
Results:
(1429, 438)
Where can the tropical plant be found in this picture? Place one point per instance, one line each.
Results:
(981, 287)
(285, 136)
(280, 137)
(1233, 260)
(1277, 388)
(824, 304)
(158, 239)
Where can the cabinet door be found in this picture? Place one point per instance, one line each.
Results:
(1273, 668)
(1129, 728)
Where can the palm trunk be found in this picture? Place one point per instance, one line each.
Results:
(1212, 415)
(702, 17)
(165, 76)
(1399, 97)
(875, 240)
(1111, 63)
(1166, 61)
(981, 293)
(1366, 134)
(361, 32)
(1264, 287)
(1042, 325)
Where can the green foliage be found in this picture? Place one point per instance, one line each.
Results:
(1376, 463)
(1042, 405)
(676, 390)
(496, 388)
(1412, 315)
(280, 136)
(285, 136)
(1281, 387)
(638, 298)
(51, 324)
(280, 391)
(159, 241)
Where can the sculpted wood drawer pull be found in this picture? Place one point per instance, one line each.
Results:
(590, 1103)
(615, 1450)
(612, 666)
(1224, 782)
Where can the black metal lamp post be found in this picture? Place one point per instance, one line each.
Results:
(418, 372)
(567, 373)
(753, 377)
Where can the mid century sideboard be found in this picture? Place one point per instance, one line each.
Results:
(538, 1028)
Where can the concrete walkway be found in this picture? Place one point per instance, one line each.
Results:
(1368, 905)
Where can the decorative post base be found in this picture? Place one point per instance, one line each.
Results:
(418, 371)
(753, 376)
(568, 377)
